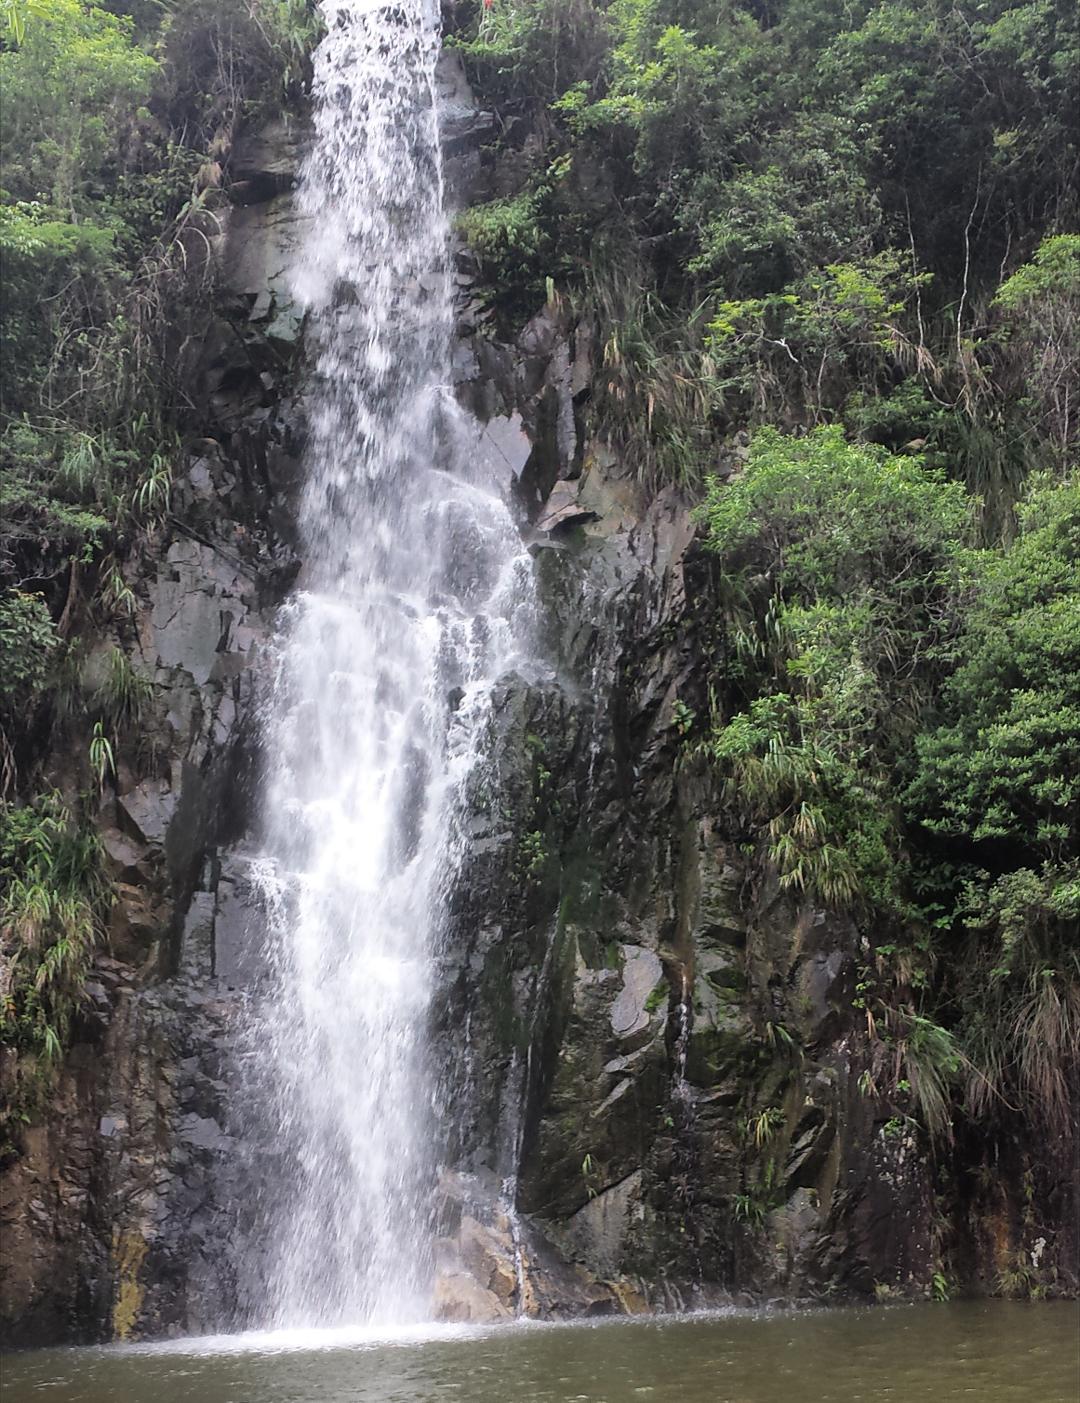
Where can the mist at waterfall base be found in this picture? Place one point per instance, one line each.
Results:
(414, 598)
(992, 1351)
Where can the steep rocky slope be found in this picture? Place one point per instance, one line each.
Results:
(664, 1060)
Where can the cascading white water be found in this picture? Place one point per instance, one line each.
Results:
(410, 605)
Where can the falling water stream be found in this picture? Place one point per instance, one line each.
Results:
(415, 598)
(411, 604)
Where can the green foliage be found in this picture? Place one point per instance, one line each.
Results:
(538, 48)
(750, 1209)
(789, 214)
(45, 260)
(1000, 773)
(532, 853)
(102, 760)
(837, 562)
(885, 688)
(828, 520)
(116, 594)
(1016, 1280)
(682, 717)
(1053, 273)
(223, 56)
(74, 92)
(1008, 765)
(64, 490)
(933, 1064)
(655, 390)
(28, 643)
(117, 120)
(822, 829)
(14, 15)
(150, 498)
(782, 1040)
(849, 189)
(124, 693)
(1038, 359)
(761, 1128)
(1021, 1022)
(838, 331)
(53, 896)
(508, 239)
(658, 997)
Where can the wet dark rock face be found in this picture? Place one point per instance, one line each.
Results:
(624, 985)
(659, 1060)
(116, 1220)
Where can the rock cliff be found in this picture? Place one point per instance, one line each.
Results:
(662, 1062)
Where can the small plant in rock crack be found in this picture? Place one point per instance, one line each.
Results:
(763, 1127)
(1016, 1279)
(124, 693)
(150, 499)
(682, 717)
(657, 998)
(589, 1175)
(782, 1040)
(116, 594)
(102, 762)
(533, 852)
(748, 1209)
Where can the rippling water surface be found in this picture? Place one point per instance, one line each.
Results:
(987, 1352)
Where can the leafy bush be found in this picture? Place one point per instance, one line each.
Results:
(838, 561)
(510, 242)
(837, 331)
(1000, 774)
(886, 690)
(826, 518)
(118, 122)
(53, 900)
(848, 188)
(27, 643)
(75, 91)
(115, 129)
(1039, 340)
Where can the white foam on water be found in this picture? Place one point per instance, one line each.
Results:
(346, 1337)
(308, 1339)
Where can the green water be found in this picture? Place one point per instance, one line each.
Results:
(987, 1352)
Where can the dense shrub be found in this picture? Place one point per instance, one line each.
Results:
(852, 191)
(898, 731)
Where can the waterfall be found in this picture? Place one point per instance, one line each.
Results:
(409, 607)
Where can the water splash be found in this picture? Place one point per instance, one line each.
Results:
(410, 605)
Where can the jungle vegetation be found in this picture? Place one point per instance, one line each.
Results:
(853, 231)
(117, 122)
